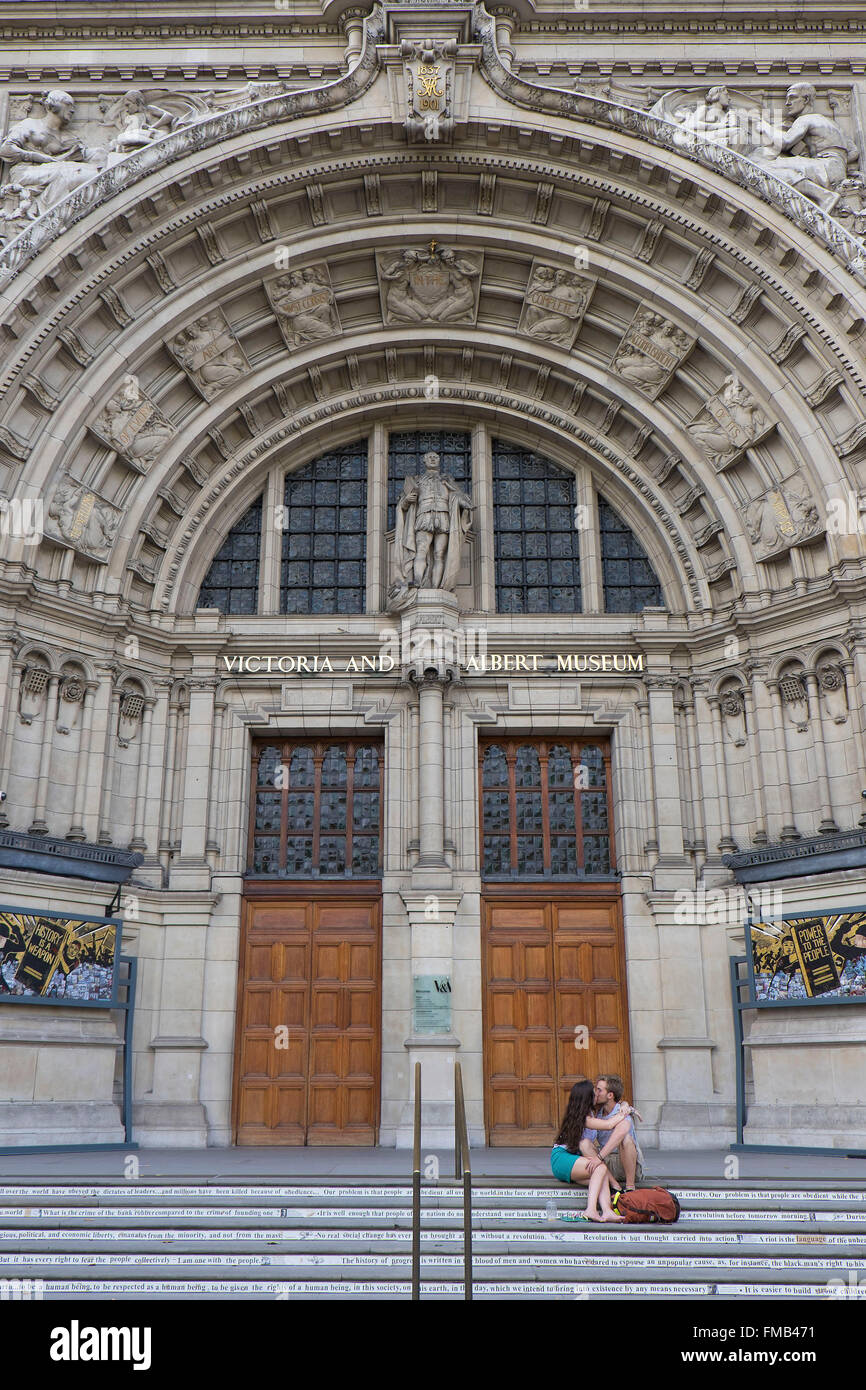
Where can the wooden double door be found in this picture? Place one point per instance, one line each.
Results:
(555, 1007)
(308, 1048)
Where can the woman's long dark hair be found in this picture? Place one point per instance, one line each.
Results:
(574, 1121)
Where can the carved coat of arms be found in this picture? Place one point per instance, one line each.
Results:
(429, 286)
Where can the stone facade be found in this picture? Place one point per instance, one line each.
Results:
(216, 283)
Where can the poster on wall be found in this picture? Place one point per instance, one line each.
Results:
(818, 958)
(52, 958)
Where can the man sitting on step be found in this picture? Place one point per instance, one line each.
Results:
(625, 1163)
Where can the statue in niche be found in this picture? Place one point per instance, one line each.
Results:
(434, 285)
(433, 517)
(554, 305)
(207, 350)
(813, 154)
(736, 420)
(81, 519)
(131, 424)
(45, 157)
(304, 304)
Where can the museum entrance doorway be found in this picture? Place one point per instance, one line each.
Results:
(555, 1008)
(308, 1040)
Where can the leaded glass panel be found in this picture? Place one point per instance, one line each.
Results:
(536, 545)
(323, 567)
(630, 582)
(406, 451)
(316, 810)
(545, 809)
(232, 582)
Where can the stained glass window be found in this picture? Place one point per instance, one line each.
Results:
(536, 544)
(546, 809)
(232, 582)
(406, 452)
(630, 582)
(324, 542)
(316, 810)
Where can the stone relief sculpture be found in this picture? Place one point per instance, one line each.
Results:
(34, 691)
(554, 305)
(428, 69)
(733, 711)
(80, 518)
(18, 206)
(45, 157)
(70, 700)
(813, 155)
(783, 517)
(304, 304)
(430, 286)
(713, 117)
(132, 424)
(129, 715)
(209, 354)
(201, 105)
(137, 124)
(433, 517)
(795, 701)
(834, 692)
(735, 420)
(651, 350)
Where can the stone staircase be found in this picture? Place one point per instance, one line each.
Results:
(345, 1238)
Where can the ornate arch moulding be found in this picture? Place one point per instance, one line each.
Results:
(513, 90)
(492, 401)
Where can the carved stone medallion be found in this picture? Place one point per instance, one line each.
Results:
(783, 517)
(650, 351)
(133, 425)
(730, 422)
(304, 304)
(554, 304)
(430, 285)
(209, 354)
(82, 520)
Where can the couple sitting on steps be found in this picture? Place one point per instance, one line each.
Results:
(597, 1145)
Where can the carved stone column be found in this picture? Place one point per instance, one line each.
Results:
(827, 825)
(196, 783)
(10, 684)
(666, 777)
(789, 829)
(104, 836)
(727, 841)
(431, 778)
(76, 830)
(138, 826)
(39, 826)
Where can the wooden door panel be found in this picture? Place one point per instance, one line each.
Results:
(554, 978)
(311, 967)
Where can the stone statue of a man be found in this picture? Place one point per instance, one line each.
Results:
(818, 172)
(433, 517)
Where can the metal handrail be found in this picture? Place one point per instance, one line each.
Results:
(463, 1168)
(416, 1191)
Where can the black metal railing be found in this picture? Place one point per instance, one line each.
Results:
(463, 1168)
(416, 1190)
